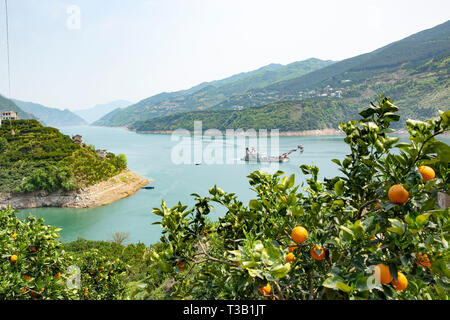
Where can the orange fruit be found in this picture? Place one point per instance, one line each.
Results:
(102, 268)
(382, 273)
(86, 289)
(423, 260)
(33, 249)
(317, 252)
(290, 257)
(299, 234)
(14, 236)
(58, 275)
(397, 194)
(291, 249)
(27, 277)
(283, 198)
(427, 173)
(265, 290)
(401, 282)
(180, 264)
(85, 294)
(14, 258)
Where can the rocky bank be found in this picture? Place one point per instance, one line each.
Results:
(118, 187)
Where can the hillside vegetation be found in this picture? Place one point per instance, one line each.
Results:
(285, 116)
(208, 94)
(34, 157)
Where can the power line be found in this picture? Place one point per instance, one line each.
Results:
(7, 48)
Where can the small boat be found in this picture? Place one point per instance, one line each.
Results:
(148, 187)
(252, 155)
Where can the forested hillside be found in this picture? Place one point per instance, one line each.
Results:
(208, 94)
(34, 157)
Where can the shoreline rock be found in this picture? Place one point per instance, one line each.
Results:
(116, 188)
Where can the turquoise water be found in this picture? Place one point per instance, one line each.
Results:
(149, 155)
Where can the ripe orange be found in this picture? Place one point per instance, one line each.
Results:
(14, 258)
(291, 249)
(299, 234)
(264, 290)
(27, 277)
(33, 249)
(14, 236)
(180, 264)
(397, 194)
(290, 257)
(283, 198)
(102, 268)
(317, 252)
(402, 282)
(382, 273)
(58, 275)
(423, 260)
(85, 294)
(427, 173)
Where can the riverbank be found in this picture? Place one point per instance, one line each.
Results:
(118, 187)
(317, 132)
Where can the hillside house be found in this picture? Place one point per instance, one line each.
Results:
(9, 115)
(102, 153)
(77, 139)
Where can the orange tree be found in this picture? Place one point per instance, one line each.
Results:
(360, 238)
(34, 264)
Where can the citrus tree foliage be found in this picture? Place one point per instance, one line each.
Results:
(34, 264)
(353, 221)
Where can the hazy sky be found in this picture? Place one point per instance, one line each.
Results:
(132, 49)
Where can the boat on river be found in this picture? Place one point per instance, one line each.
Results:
(251, 154)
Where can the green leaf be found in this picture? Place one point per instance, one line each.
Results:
(339, 187)
(421, 219)
(446, 117)
(255, 205)
(290, 181)
(343, 287)
(280, 271)
(332, 282)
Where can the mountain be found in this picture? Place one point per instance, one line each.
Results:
(99, 110)
(413, 72)
(9, 105)
(50, 116)
(208, 94)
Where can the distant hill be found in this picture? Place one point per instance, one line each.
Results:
(99, 110)
(9, 105)
(51, 116)
(208, 94)
(412, 70)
